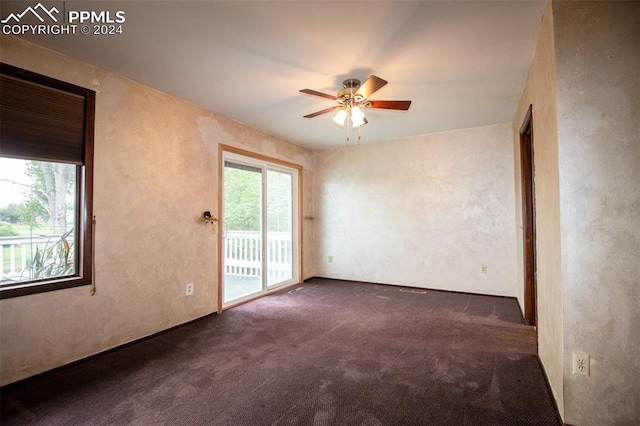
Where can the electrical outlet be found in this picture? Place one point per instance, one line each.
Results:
(483, 269)
(330, 258)
(580, 364)
(189, 290)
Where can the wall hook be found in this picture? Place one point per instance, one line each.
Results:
(207, 218)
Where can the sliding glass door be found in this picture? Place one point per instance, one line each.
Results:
(259, 222)
(279, 227)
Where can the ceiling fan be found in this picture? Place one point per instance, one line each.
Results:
(352, 98)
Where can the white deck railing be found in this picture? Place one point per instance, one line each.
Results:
(243, 256)
(242, 252)
(16, 253)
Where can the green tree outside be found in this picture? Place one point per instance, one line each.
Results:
(279, 201)
(9, 213)
(242, 200)
(52, 182)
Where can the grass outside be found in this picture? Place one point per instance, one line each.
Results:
(6, 256)
(25, 230)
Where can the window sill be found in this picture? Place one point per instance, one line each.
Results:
(35, 287)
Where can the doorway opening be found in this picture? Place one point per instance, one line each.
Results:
(528, 219)
(260, 237)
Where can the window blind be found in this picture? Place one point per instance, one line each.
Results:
(38, 122)
(239, 166)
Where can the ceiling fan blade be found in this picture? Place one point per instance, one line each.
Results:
(371, 85)
(402, 105)
(324, 111)
(316, 93)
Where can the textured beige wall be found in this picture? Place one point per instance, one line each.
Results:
(155, 172)
(425, 211)
(598, 68)
(540, 91)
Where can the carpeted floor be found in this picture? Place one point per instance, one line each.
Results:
(323, 353)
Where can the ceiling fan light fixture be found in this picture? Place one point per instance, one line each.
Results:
(350, 100)
(357, 117)
(340, 117)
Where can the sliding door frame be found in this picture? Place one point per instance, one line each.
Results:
(276, 162)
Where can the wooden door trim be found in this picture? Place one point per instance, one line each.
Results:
(527, 170)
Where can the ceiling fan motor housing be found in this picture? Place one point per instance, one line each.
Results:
(352, 83)
(347, 95)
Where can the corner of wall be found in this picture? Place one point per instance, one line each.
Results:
(540, 91)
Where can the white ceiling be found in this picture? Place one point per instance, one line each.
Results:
(462, 63)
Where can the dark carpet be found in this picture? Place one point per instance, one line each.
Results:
(323, 353)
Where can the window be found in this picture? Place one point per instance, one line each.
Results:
(46, 183)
